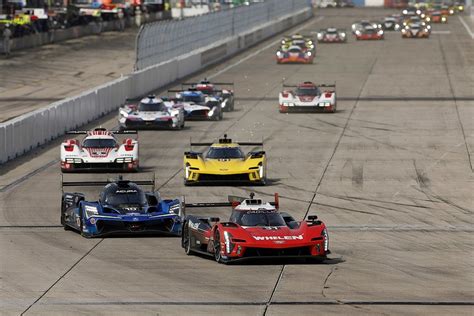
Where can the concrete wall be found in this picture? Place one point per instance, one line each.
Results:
(31, 130)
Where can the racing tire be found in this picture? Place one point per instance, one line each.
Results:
(63, 222)
(186, 240)
(217, 247)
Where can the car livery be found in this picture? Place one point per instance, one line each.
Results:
(151, 113)
(294, 55)
(198, 105)
(437, 17)
(224, 162)
(223, 91)
(307, 97)
(332, 35)
(99, 150)
(256, 230)
(123, 207)
(369, 33)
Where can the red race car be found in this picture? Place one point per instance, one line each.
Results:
(255, 230)
(294, 55)
(369, 33)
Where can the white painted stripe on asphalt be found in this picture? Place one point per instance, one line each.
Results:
(441, 32)
(260, 50)
(466, 26)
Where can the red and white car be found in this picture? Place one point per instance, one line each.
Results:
(99, 150)
(308, 97)
(369, 33)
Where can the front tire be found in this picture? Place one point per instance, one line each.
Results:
(217, 247)
(186, 240)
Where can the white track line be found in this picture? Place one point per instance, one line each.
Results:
(261, 50)
(466, 26)
(441, 32)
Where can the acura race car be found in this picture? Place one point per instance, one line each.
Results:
(256, 230)
(99, 150)
(123, 207)
(197, 105)
(152, 113)
(224, 91)
(225, 162)
(308, 97)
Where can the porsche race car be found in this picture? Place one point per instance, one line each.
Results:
(224, 162)
(332, 35)
(99, 150)
(123, 207)
(415, 31)
(151, 113)
(294, 55)
(218, 90)
(308, 97)
(361, 25)
(256, 230)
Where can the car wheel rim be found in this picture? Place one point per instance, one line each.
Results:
(217, 248)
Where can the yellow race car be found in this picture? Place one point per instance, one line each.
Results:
(225, 162)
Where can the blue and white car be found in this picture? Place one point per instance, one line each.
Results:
(198, 105)
(123, 207)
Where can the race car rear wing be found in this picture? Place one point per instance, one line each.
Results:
(150, 182)
(113, 132)
(322, 85)
(226, 140)
(233, 201)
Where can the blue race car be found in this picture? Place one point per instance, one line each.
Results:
(123, 208)
(198, 106)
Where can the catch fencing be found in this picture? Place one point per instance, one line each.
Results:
(164, 40)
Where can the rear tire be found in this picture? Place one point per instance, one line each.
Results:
(217, 247)
(186, 240)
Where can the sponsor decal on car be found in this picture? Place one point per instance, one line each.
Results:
(298, 237)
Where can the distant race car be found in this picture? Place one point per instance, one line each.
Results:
(416, 20)
(294, 55)
(415, 31)
(256, 230)
(197, 105)
(123, 208)
(391, 23)
(151, 113)
(437, 17)
(224, 93)
(99, 150)
(308, 97)
(361, 25)
(224, 162)
(410, 11)
(304, 41)
(369, 33)
(332, 35)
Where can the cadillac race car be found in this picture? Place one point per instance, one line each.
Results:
(225, 162)
(224, 91)
(361, 25)
(332, 35)
(369, 33)
(415, 31)
(307, 97)
(256, 230)
(123, 207)
(151, 113)
(416, 20)
(391, 23)
(99, 150)
(197, 105)
(294, 55)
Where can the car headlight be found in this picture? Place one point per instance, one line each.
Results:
(428, 27)
(451, 11)
(224, 103)
(358, 32)
(397, 26)
(123, 113)
(320, 35)
(326, 239)
(229, 246)
(428, 19)
(418, 12)
(260, 171)
(310, 42)
(405, 11)
(91, 210)
(211, 112)
(461, 8)
(186, 171)
(279, 54)
(404, 31)
(308, 53)
(342, 34)
(283, 42)
(380, 32)
(374, 25)
(443, 19)
(426, 30)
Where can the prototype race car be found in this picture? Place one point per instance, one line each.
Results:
(294, 55)
(415, 31)
(361, 25)
(305, 42)
(256, 230)
(308, 97)
(123, 208)
(437, 17)
(225, 94)
(225, 162)
(99, 150)
(332, 35)
(151, 113)
(369, 33)
(391, 23)
(416, 20)
(198, 105)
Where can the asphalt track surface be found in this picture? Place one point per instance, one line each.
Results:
(390, 173)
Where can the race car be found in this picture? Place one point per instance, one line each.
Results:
(437, 17)
(369, 33)
(294, 55)
(416, 20)
(99, 150)
(123, 207)
(151, 113)
(391, 23)
(304, 41)
(410, 11)
(225, 94)
(197, 105)
(458, 6)
(332, 35)
(256, 230)
(225, 163)
(444, 9)
(361, 25)
(415, 31)
(308, 97)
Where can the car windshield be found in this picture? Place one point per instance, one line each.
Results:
(307, 92)
(224, 153)
(192, 98)
(294, 50)
(258, 218)
(152, 107)
(331, 31)
(126, 197)
(99, 143)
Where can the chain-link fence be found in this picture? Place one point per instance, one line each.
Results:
(161, 41)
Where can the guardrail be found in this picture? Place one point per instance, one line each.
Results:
(31, 130)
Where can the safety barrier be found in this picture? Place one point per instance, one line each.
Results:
(31, 130)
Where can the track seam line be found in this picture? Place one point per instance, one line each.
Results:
(445, 64)
(326, 168)
(61, 277)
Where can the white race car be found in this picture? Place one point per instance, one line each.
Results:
(151, 113)
(308, 97)
(99, 150)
